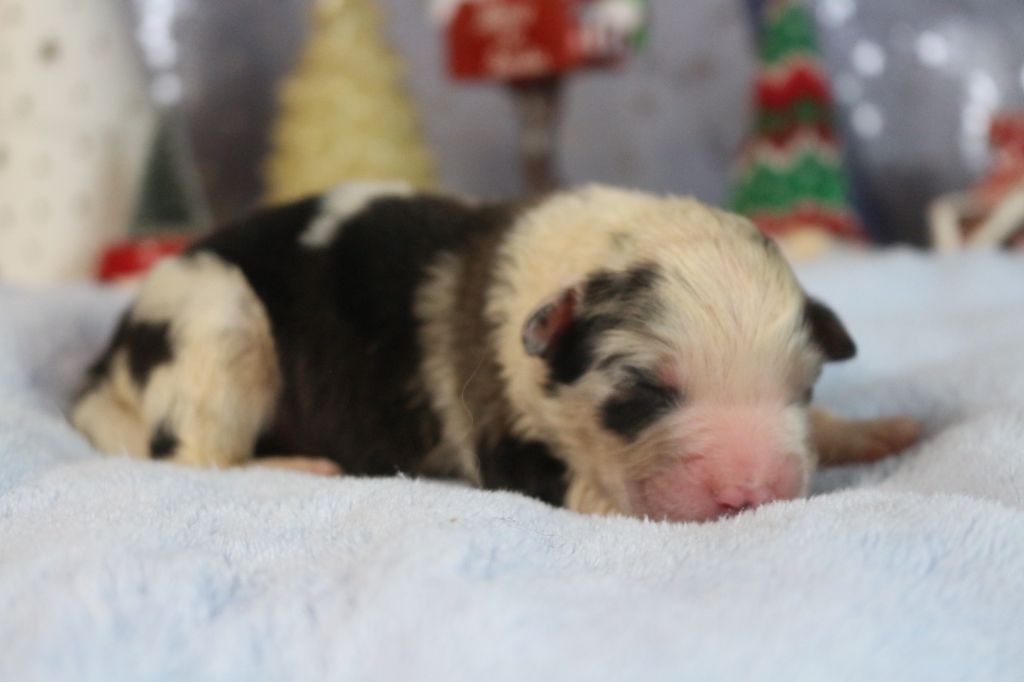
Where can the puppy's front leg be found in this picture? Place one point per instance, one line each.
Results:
(585, 497)
(321, 466)
(847, 441)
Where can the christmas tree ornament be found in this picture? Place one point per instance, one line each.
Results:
(171, 199)
(530, 46)
(343, 112)
(75, 126)
(790, 178)
(992, 213)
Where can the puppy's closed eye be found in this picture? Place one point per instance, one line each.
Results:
(639, 401)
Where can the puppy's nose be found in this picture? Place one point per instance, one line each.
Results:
(736, 499)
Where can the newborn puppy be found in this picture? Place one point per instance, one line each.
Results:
(606, 350)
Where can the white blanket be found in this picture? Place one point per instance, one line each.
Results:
(112, 569)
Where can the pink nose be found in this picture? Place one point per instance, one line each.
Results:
(735, 499)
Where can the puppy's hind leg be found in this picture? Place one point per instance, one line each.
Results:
(111, 422)
(585, 497)
(108, 411)
(207, 404)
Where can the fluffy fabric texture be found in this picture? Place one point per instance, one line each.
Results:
(113, 569)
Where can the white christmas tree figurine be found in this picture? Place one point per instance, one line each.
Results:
(344, 113)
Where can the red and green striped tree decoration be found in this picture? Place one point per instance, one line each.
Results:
(790, 175)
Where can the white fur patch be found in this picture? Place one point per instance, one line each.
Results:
(345, 201)
(110, 420)
(220, 385)
(435, 305)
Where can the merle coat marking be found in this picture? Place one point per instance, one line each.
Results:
(555, 348)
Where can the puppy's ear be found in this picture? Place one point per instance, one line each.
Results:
(557, 333)
(828, 332)
(549, 323)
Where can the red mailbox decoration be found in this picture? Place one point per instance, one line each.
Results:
(530, 46)
(511, 40)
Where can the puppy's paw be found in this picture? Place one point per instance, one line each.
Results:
(848, 441)
(311, 465)
(876, 439)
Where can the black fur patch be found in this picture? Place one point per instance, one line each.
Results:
(525, 466)
(609, 299)
(344, 326)
(266, 247)
(163, 444)
(619, 287)
(573, 355)
(641, 403)
(147, 345)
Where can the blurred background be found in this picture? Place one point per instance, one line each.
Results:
(126, 126)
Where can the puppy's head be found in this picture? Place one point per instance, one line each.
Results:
(680, 375)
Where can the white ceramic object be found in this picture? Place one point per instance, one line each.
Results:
(75, 129)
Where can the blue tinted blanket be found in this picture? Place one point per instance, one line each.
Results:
(912, 569)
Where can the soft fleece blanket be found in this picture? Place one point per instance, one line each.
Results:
(112, 569)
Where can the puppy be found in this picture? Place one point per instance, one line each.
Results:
(606, 350)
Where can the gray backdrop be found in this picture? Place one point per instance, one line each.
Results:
(917, 80)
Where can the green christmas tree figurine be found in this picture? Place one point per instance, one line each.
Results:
(790, 177)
